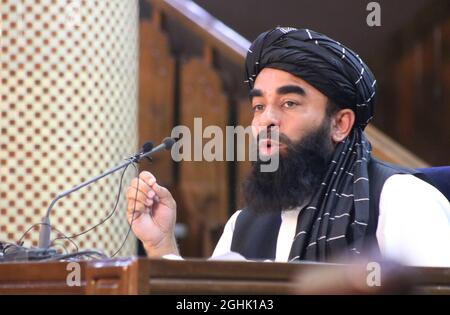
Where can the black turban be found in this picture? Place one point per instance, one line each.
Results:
(336, 220)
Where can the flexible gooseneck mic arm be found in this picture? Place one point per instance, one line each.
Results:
(45, 230)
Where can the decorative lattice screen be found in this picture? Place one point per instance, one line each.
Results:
(68, 111)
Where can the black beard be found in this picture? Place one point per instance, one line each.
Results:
(301, 170)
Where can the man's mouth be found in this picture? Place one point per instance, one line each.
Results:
(269, 146)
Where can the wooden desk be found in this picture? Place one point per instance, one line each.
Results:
(154, 276)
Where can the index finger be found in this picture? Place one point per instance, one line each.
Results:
(147, 177)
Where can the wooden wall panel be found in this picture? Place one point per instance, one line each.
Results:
(427, 103)
(404, 76)
(156, 96)
(445, 79)
(203, 185)
(244, 119)
(417, 93)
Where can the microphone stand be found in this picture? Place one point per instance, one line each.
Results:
(45, 231)
(44, 235)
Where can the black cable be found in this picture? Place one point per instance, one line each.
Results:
(66, 238)
(109, 215)
(69, 238)
(77, 254)
(132, 215)
(63, 247)
(6, 245)
(20, 241)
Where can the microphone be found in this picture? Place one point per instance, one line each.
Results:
(166, 144)
(146, 151)
(148, 146)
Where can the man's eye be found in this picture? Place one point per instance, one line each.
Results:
(258, 108)
(289, 104)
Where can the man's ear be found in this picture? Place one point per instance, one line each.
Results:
(342, 123)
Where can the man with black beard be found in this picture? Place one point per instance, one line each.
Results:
(329, 198)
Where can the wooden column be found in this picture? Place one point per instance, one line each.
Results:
(244, 119)
(156, 94)
(203, 185)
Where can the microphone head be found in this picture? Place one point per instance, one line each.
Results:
(147, 147)
(168, 143)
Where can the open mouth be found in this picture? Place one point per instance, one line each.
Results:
(269, 146)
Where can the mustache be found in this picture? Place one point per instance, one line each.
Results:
(282, 138)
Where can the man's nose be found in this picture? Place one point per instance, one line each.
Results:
(269, 118)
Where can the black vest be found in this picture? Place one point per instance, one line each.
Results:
(255, 234)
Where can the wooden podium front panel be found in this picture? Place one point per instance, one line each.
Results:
(159, 276)
(261, 278)
(38, 278)
(115, 276)
(219, 277)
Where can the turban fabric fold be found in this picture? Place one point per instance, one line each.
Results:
(335, 222)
